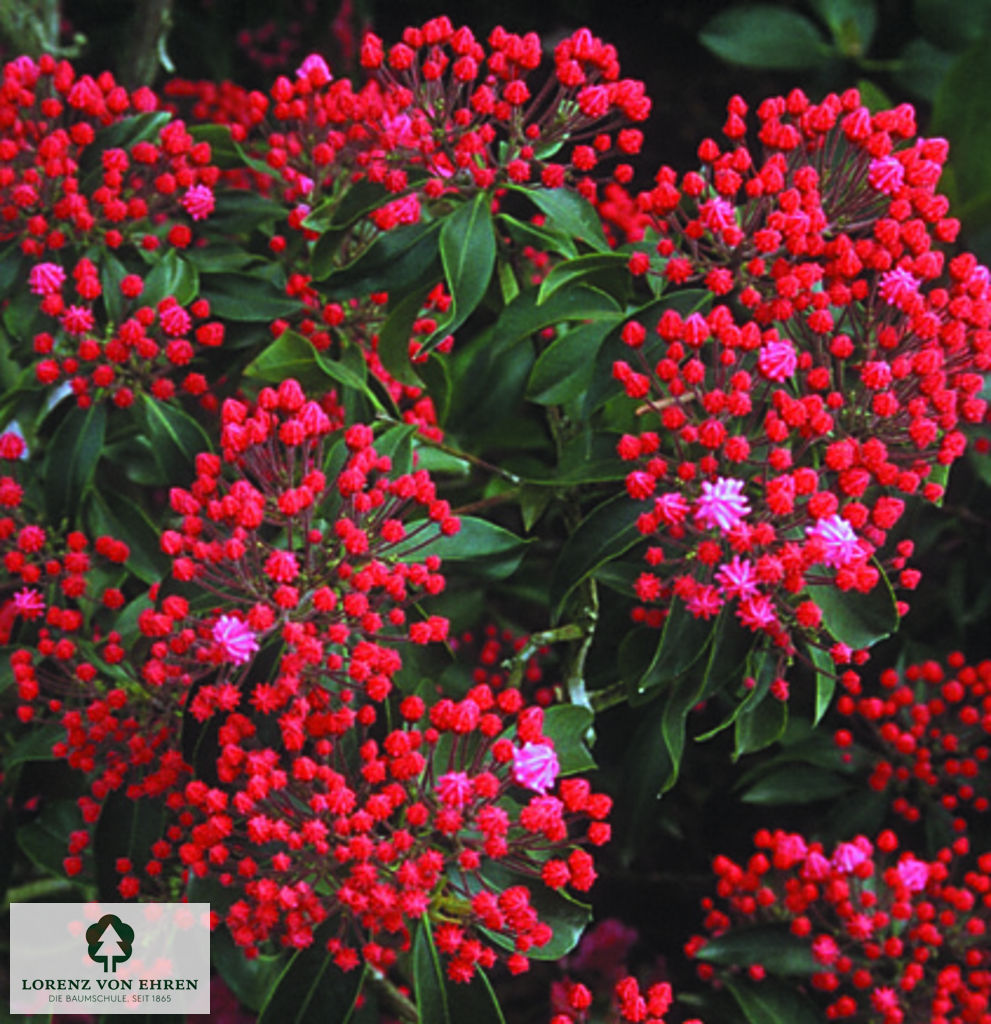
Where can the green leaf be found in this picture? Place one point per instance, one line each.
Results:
(176, 438)
(601, 268)
(953, 24)
(441, 1001)
(394, 337)
(564, 370)
(313, 989)
(523, 317)
(46, 839)
(114, 513)
(482, 548)
(857, 619)
(852, 23)
(764, 36)
(761, 718)
(71, 458)
(566, 916)
(126, 828)
(467, 253)
(247, 298)
(429, 983)
(825, 681)
(920, 70)
(291, 355)
(568, 725)
(683, 640)
(540, 238)
(773, 1002)
(34, 745)
(568, 212)
(241, 211)
(249, 980)
(962, 112)
(772, 946)
(393, 259)
(795, 784)
(607, 532)
(170, 276)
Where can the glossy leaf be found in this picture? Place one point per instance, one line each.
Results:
(764, 36)
(598, 269)
(564, 369)
(440, 1000)
(45, 839)
(683, 640)
(825, 681)
(772, 946)
(313, 989)
(773, 1002)
(171, 276)
(70, 462)
(920, 69)
(394, 337)
(126, 828)
(393, 258)
(857, 619)
(249, 298)
(568, 725)
(962, 112)
(570, 213)
(524, 317)
(483, 548)
(35, 745)
(249, 980)
(607, 532)
(795, 784)
(176, 438)
(113, 513)
(852, 23)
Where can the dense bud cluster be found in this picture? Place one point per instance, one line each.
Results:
(929, 732)
(832, 358)
(893, 938)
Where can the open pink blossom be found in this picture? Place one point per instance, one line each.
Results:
(722, 504)
(314, 69)
(898, 287)
(841, 542)
(737, 578)
(29, 603)
(535, 766)
(236, 639)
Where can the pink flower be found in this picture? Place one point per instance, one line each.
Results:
(777, 360)
(198, 202)
(705, 602)
(314, 69)
(848, 856)
(535, 766)
(454, 789)
(46, 278)
(236, 639)
(841, 542)
(737, 579)
(722, 504)
(913, 874)
(29, 603)
(757, 612)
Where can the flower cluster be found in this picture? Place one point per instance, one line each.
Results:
(891, 937)
(833, 355)
(51, 118)
(628, 1003)
(136, 351)
(929, 728)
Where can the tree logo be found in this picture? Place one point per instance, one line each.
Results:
(108, 936)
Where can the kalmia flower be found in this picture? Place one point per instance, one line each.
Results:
(823, 380)
(927, 732)
(892, 937)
